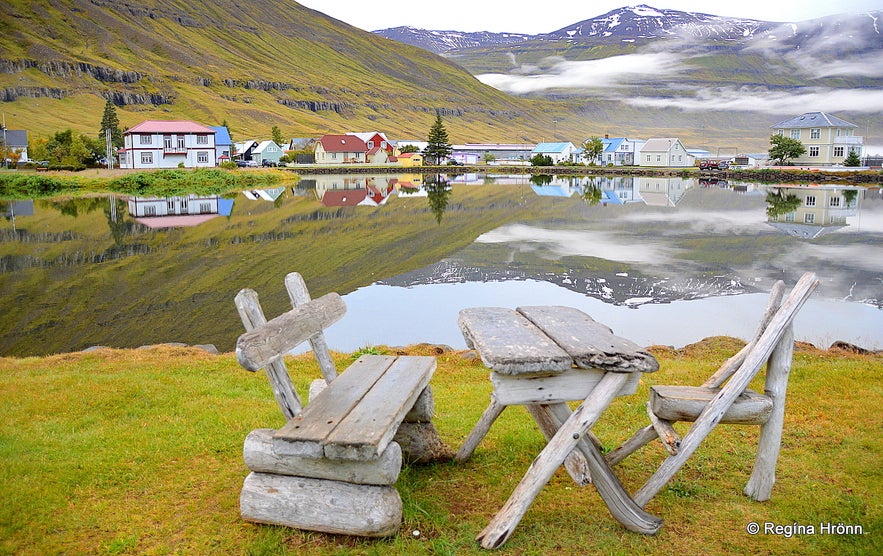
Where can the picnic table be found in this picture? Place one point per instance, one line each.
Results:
(542, 357)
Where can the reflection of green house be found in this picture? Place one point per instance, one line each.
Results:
(819, 209)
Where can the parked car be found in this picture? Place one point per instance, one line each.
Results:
(246, 163)
(269, 164)
(714, 165)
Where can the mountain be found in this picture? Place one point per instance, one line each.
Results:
(444, 41)
(252, 65)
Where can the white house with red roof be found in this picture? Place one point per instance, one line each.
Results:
(168, 144)
(341, 149)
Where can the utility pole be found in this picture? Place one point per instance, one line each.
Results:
(108, 140)
(5, 147)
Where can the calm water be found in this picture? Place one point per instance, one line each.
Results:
(660, 260)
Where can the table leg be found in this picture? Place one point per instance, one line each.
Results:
(553, 455)
(480, 430)
(549, 421)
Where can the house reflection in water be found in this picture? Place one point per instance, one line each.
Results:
(341, 191)
(264, 194)
(173, 212)
(810, 211)
(662, 192)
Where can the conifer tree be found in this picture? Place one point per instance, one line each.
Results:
(110, 120)
(438, 147)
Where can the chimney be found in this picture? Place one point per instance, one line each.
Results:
(606, 136)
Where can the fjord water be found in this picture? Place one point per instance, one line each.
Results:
(660, 260)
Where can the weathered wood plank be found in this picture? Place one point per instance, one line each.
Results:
(300, 295)
(641, 438)
(574, 384)
(306, 434)
(685, 403)
(591, 344)
(370, 425)
(259, 456)
(666, 432)
(508, 343)
(763, 476)
(255, 349)
(480, 430)
(715, 410)
(321, 505)
(249, 308)
(575, 462)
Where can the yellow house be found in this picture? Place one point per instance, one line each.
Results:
(828, 139)
(410, 159)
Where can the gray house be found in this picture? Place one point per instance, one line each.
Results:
(14, 141)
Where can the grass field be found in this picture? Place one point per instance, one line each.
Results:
(139, 452)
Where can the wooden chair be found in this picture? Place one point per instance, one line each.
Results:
(715, 402)
(332, 466)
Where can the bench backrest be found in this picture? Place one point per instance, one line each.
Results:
(265, 342)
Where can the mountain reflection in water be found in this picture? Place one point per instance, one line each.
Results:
(660, 260)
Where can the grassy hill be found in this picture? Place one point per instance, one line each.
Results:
(255, 66)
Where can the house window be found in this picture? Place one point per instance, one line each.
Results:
(146, 158)
(815, 133)
(167, 142)
(834, 202)
(149, 210)
(648, 158)
(809, 218)
(144, 139)
(795, 134)
(180, 142)
(202, 139)
(370, 144)
(205, 208)
(810, 200)
(202, 157)
(838, 151)
(171, 205)
(789, 217)
(781, 132)
(813, 151)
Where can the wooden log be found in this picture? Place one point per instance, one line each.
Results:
(259, 456)
(480, 430)
(257, 348)
(299, 295)
(249, 308)
(666, 432)
(715, 410)
(321, 505)
(421, 444)
(641, 438)
(763, 476)
(591, 344)
(575, 463)
(685, 403)
(547, 462)
(574, 384)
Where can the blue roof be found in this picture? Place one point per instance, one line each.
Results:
(222, 135)
(611, 145)
(225, 206)
(551, 147)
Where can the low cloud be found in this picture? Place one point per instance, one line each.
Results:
(614, 71)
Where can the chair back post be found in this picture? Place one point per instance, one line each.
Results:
(299, 295)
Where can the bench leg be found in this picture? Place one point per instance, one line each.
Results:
(549, 419)
(480, 430)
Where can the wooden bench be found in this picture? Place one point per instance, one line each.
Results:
(331, 467)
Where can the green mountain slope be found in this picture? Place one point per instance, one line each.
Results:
(254, 65)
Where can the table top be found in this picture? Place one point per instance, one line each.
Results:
(548, 339)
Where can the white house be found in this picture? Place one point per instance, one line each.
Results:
(665, 152)
(267, 150)
(828, 139)
(558, 152)
(14, 141)
(619, 151)
(341, 149)
(168, 144)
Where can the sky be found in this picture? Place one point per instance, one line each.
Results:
(531, 18)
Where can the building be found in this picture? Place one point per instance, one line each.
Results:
(619, 151)
(410, 159)
(828, 139)
(665, 152)
(14, 141)
(267, 151)
(223, 144)
(814, 210)
(341, 149)
(168, 144)
(558, 152)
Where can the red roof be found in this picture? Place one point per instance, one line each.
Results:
(169, 126)
(343, 144)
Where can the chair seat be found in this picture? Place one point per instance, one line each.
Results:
(685, 403)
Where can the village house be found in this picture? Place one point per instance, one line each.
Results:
(341, 149)
(828, 139)
(168, 144)
(619, 151)
(410, 160)
(665, 152)
(822, 209)
(223, 144)
(14, 142)
(558, 152)
(266, 151)
(244, 150)
(379, 149)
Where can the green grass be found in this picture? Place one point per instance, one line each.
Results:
(139, 452)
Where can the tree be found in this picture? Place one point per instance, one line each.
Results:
(779, 203)
(438, 148)
(489, 157)
(409, 149)
(541, 160)
(592, 149)
(782, 149)
(852, 159)
(438, 192)
(110, 121)
(276, 133)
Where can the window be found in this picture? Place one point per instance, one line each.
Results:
(146, 158)
(648, 158)
(795, 134)
(167, 142)
(838, 151)
(144, 140)
(171, 205)
(658, 158)
(834, 202)
(813, 151)
(149, 210)
(809, 218)
(205, 208)
(781, 132)
(815, 133)
(810, 200)
(370, 144)
(180, 142)
(202, 139)
(789, 217)
(202, 157)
